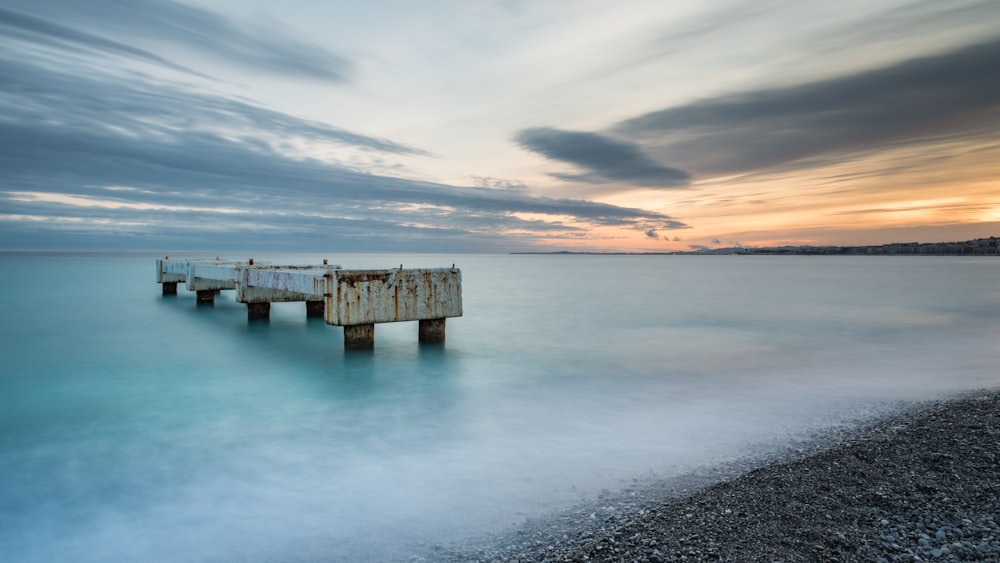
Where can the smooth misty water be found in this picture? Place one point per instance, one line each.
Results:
(137, 427)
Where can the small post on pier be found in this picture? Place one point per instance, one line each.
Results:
(315, 309)
(169, 288)
(359, 337)
(206, 296)
(431, 331)
(258, 311)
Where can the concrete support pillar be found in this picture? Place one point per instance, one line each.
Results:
(206, 296)
(258, 311)
(359, 337)
(169, 288)
(432, 331)
(314, 309)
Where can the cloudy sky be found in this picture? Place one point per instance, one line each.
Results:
(449, 125)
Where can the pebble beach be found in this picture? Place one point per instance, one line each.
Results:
(922, 485)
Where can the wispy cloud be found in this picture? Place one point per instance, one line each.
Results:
(159, 118)
(951, 94)
(37, 30)
(93, 101)
(258, 48)
(908, 101)
(154, 161)
(604, 159)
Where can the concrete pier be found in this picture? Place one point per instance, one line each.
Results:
(359, 337)
(168, 276)
(253, 294)
(354, 299)
(431, 331)
(315, 309)
(258, 311)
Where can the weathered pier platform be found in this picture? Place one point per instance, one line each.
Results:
(354, 299)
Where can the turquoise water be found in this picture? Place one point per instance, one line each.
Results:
(140, 427)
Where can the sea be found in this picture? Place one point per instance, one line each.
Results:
(141, 427)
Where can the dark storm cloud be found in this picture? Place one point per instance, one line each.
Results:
(605, 159)
(262, 49)
(918, 98)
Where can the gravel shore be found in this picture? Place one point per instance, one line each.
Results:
(920, 486)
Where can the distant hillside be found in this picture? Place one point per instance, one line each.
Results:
(977, 247)
(980, 247)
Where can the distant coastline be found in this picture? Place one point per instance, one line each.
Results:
(976, 247)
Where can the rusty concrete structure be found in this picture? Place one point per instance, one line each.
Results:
(354, 299)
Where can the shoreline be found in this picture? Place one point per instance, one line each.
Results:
(922, 484)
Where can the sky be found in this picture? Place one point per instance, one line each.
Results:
(496, 126)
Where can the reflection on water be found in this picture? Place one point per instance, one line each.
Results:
(141, 427)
